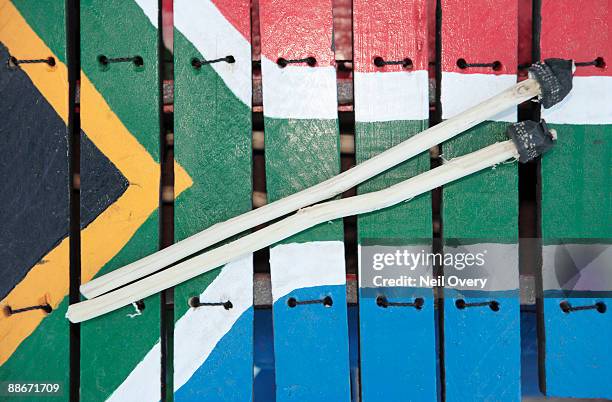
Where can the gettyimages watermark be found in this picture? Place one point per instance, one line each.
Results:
(413, 266)
(569, 269)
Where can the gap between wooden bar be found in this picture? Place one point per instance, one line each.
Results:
(73, 38)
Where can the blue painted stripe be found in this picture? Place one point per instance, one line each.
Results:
(482, 348)
(311, 347)
(221, 377)
(578, 360)
(398, 347)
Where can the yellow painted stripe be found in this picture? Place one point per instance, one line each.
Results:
(48, 282)
(23, 43)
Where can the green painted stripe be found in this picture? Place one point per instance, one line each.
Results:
(212, 141)
(47, 19)
(575, 175)
(402, 222)
(483, 205)
(213, 144)
(299, 154)
(31, 363)
(112, 345)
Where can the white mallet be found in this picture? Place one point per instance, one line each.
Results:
(529, 139)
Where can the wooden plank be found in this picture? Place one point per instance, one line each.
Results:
(576, 204)
(120, 173)
(302, 149)
(35, 201)
(480, 214)
(213, 345)
(391, 105)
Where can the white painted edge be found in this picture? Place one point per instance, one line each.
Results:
(462, 91)
(151, 10)
(199, 330)
(196, 334)
(391, 96)
(214, 36)
(589, 102)
(305, 265)
(298, 92)
(595, 274)
(142, 384)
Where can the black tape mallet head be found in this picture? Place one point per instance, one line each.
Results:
(555, 79)
(531, 138)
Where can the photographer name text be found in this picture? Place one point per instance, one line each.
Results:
(427, 281)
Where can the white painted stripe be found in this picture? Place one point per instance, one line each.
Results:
(143, 382)
(215, 37)
(589, 102)
(198, 331)
(462, 91)
(304, 265)
(151, 9)
(195, 334)
(298, 92)
(391, 96)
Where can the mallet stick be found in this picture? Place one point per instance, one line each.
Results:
(322, 191)
(525, 149)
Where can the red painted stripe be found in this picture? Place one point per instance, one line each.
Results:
(391, 29)
(234, 11)
(295, 29)
(479, 31)
(578, 30)
(525, 38)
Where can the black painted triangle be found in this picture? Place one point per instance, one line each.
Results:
(34, 166)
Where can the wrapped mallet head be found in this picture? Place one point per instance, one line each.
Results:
(555, 79)
(531, 138)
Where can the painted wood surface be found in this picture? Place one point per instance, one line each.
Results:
(576, 213)
(480, 213)
(213, 345)
(120, 120)
(302, 149)
(391, 105)
(35, 203)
